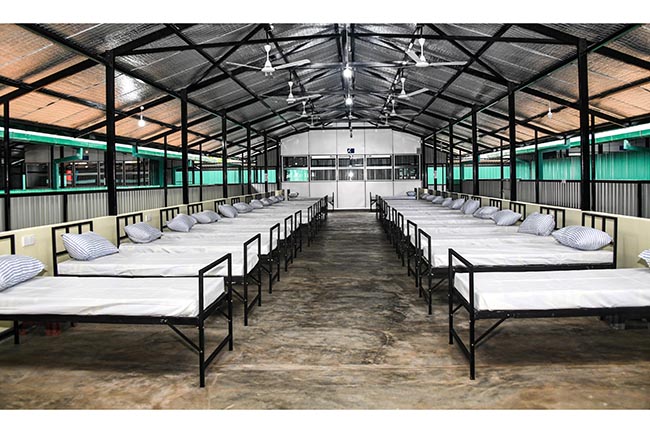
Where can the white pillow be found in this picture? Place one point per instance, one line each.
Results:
(256, 204)
(16, 269)
(505, 217)
(228, 211)
(447, 202)
(410, 193)
(645, 255)
(212, 214)
(458, 203)
(274, 199)
(294, 194)
(437, 199)
(424, 195)
(486, 212)
(243, 207)
(142, 233)
(470, 207)
(181, 223)
(87, 246)
(266, 202)
(538, 224)
(204, 217)
(281, 197)
(582, 238)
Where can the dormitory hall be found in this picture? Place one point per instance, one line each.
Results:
(324, 216)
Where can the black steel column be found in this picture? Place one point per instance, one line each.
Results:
(224, 155)
(501, 149)
(583, 104)
(423, 164)
(513, 143)
(475, 155)
(537, 165)
(7, 166)
(109, 155)
(435, 162)
(249, 158)
(266, 163)
(184, 149)
(201, 172)
(450, 168)
(240, 171)
(278, 166)
(593, 162)
(165, 169)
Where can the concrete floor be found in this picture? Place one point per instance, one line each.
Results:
(343, 330)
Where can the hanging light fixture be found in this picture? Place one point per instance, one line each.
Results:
(348, 100)
(550, 113)
(141, 122)
(347, 72)
(304, 112)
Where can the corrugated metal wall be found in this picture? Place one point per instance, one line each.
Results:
(616, 198)
(2, 213)
(36, 210)
(212, 192)
(566, 194)
(490, 188)
(174, 196)
(89, 205)
(526, 191)
(135, 200)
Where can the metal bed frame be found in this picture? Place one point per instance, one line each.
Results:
(457, 301)
(173, 322)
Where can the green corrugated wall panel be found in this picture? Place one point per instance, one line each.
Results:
(623, 166)
(486, 173)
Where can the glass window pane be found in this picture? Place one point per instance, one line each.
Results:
(351, 174)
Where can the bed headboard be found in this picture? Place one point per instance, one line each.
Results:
(217, 203)
(76, 227)
(122, 221)
(248, 198)
(167, 214)
(235, 200)
(476, 197)
(518, 207)
(194, 208)
(465, 196)
(606, 223)
(557, 214)
(496, 202)
(9, 240)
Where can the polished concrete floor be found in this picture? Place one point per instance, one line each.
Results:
(344, 329)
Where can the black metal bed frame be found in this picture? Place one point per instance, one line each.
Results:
(173, 322)
(455, 297)
(496, 202)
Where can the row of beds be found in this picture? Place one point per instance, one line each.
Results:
(178, 280)
(495, 273)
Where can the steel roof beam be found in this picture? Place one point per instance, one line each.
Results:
(127, 49)
(510, 40)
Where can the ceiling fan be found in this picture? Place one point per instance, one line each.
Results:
(403, 95)
(268, 69)
(421, 61)
(292, 99)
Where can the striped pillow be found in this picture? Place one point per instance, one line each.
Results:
(447, 202)
(582, 238)
(645, 255)
(181, 223)
(274, 199)
(228, 211)
(243, 207)
(204, 217)
(470, 207)
(458, 203)
(142, 233)
(266, 202)
(538, 224)
(424, 195)
(280, 197)
(256, 204)
(505, 217)
(437, 199)
(486, 212)
(87, 246)
(16, 269)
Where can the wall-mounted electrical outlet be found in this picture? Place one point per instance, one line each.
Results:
(29, 240)
(147, 218)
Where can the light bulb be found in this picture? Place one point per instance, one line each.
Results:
(348, 100)
(550, 113)
(141, 122)
(347, 73)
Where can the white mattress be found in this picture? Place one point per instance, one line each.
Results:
(484, 232)
(177, 297)
(242, 230)
(499, 253)
(156, 264)
(175, 242)
(601, 288)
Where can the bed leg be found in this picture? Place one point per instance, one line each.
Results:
(201, 354)
(16, 332)
(259, 285)
(279, 263)
(245, 300)
(450, 299)
(472, 348)
(229, 300)
(430, 293)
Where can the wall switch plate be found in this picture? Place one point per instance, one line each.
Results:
(29, 240)
(147, 218)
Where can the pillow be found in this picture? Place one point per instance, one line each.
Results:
(457, 204)
(87, 246)
(582, 238)
(410, 193)
(470, 207)
(142, 233)
(437, 199)
(16, 269)
(447, 202)
(281, 197)
(205, 217)
(256, 204)
(274, 199)
(243, 207)
(538, 224)
(181, 223)
(506, 217)
(486, 212)
(294, 194)
(266, 202)
(228, 211)
(645, 255)
(424, 195)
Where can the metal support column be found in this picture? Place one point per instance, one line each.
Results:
(184, 149)
(501, 149)
(450, 167)
(201, 172)
(249, 159)
(537, 165)
(7, 166)
(109, 155)
(593, 162)
(165, 169)
(475, 155)
(583, 104)
(435, 161)
(513, 142)
(278, 166)
(266, 163)
(423, 164)
(224, 155)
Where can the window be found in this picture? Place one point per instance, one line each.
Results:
(351, 161)
(295, 161)
(407, 167)
(351, 174)
(296, 175)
